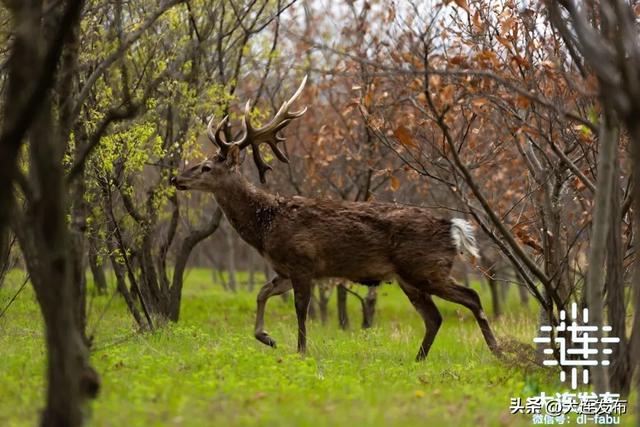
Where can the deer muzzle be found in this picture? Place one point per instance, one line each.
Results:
(175, 183)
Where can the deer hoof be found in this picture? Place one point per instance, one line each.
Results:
(264, 338)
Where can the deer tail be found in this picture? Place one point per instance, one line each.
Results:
(463, 238)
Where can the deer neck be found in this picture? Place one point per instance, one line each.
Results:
(250, 211)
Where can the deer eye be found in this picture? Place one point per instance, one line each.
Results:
(206, 168)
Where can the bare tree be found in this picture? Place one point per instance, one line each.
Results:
(609, 45)
(45, 240)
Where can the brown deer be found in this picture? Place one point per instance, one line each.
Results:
(306, 239)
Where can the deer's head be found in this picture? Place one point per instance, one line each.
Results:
(224, 164)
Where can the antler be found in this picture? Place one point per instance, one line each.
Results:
(267, 134)
(216, 138)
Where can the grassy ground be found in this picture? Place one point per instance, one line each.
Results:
(209, 370)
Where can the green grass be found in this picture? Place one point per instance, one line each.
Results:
(209, 370)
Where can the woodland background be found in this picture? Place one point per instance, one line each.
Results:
(521, 116)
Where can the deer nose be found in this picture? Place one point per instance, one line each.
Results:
(173, 180)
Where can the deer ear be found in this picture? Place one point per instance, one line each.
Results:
(233, 156)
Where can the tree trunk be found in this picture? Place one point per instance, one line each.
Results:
(231, 260)
(343, 315)
(186, 248)
(121, 284)
(524, 295)
(45, 241)
(118, 243)
(522, 291)
(369, 307)
(543, 320)
(78, 257)
(5, 255)
(495, 295)
(504, 289)
(67, 355)
(149, 283)
(77, 252)
(634, 341)
(166, 245)
(324, 290)
(267, 271)
(598, 242)
(97, 270)
(620, 369)
(51, 276)
(312, 311)
(252, 269)
(465, 276)
(217, 271)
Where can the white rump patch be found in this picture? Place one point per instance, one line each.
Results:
(463, 238)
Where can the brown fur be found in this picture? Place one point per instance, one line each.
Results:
(306, 239)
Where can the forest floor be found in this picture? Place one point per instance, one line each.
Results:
(209, 370)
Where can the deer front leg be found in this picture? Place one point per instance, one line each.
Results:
(276, 286)
(302, 297)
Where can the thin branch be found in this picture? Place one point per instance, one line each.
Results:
(4, 310)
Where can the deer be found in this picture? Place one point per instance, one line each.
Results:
(306, 239)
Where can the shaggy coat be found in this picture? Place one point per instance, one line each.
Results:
(305, 239)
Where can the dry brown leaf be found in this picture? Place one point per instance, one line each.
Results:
(458, 60)
(368, 98)
(395, 183)
(462, 4)
(403, 135)
(434, 81)
(479, 102)
(447, 94)
(477, 22)
(506, 43)
(522, 101)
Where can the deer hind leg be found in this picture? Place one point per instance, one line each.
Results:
(276, 286)
(302, 297)
(451, 291)
(425, 306)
